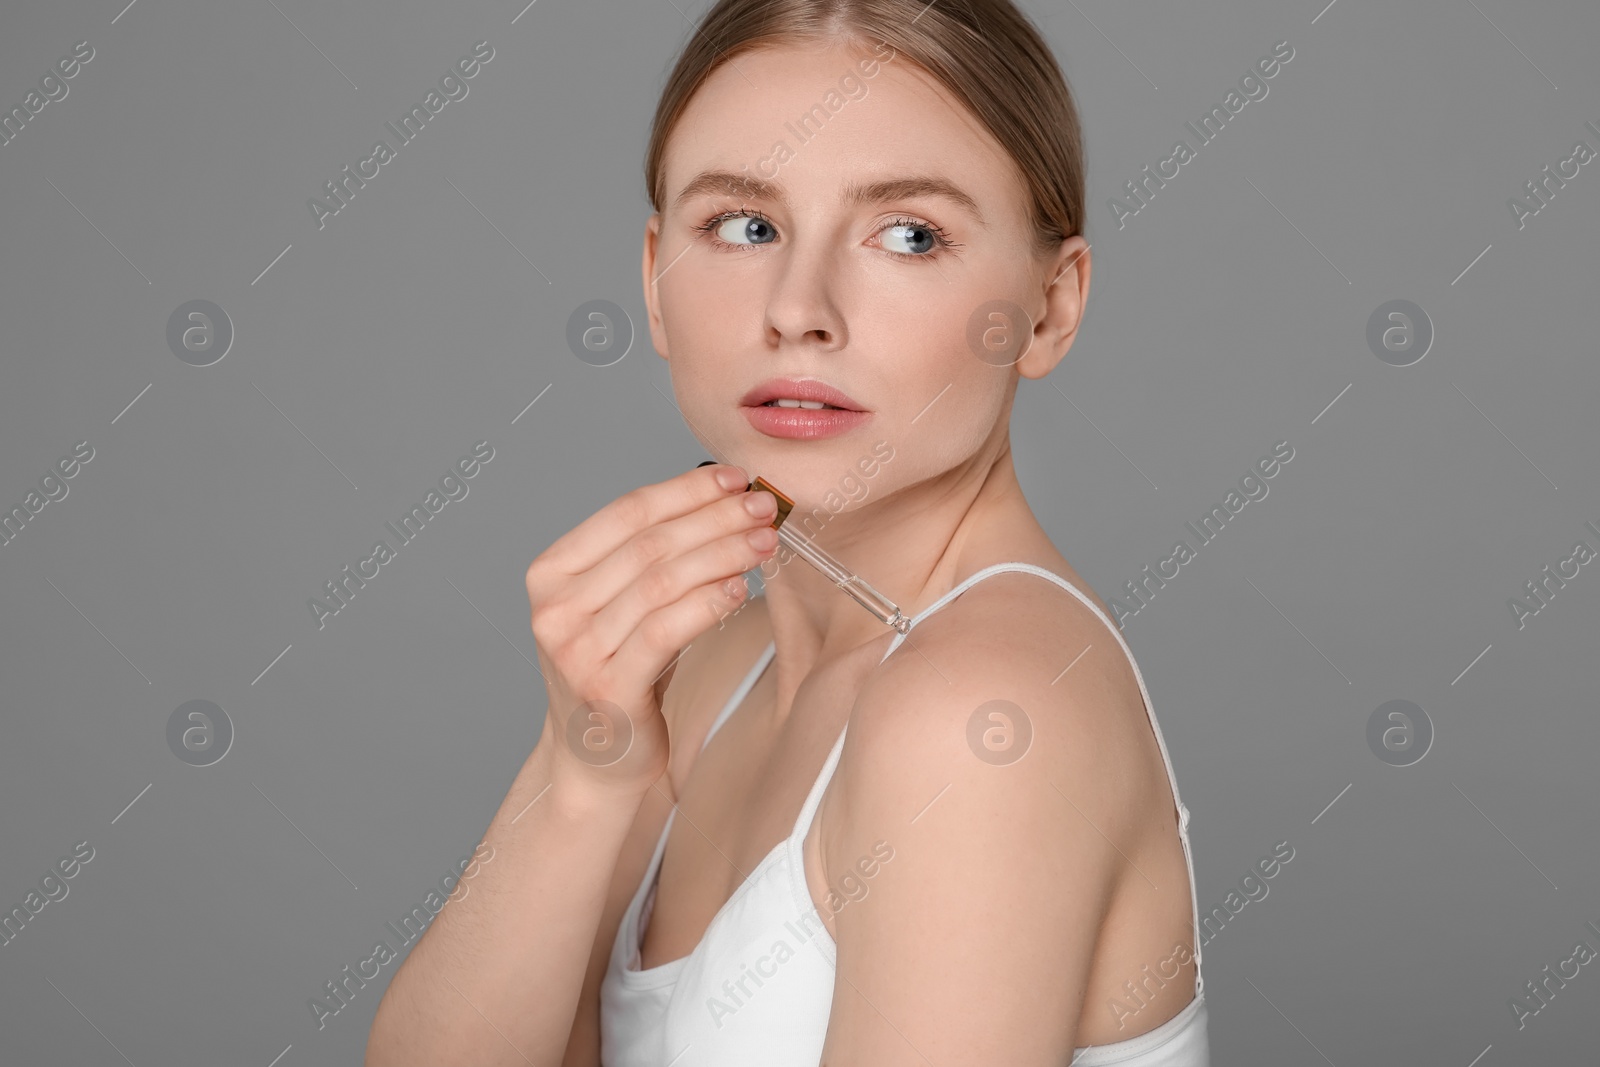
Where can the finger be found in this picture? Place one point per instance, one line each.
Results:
(590, 593)
(602, 533)
(663, 633)
(694, 575)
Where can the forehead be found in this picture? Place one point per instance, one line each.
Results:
(820, 116)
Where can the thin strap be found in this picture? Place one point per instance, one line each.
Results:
(814, 798)
(740, 693)
(803, 825)
(808, 810)
(1166, 758)
(644, 896)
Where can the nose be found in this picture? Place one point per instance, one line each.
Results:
(802, 307)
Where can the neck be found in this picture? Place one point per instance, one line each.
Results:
(913, 546)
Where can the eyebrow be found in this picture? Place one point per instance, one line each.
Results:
(712, 182)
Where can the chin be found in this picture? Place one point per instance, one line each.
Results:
(843, 478)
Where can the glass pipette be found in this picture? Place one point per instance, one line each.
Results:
(855, 587)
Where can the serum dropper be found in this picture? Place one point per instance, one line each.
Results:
(857, 588)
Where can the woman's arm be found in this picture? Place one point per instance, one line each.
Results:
(1010, 824)
(496, 977)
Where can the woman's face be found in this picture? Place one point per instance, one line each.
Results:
(791, 275)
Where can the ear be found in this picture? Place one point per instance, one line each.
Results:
(1066, 292)
(652, 299)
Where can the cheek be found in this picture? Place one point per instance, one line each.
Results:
(699, 338)
(940, 400)
(944, 416)
(687, 309)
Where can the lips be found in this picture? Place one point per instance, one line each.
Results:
(799, 389)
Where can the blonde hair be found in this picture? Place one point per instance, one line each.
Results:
(986, 53)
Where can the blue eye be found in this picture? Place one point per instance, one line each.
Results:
(925, 240)
(905, 229)
(754, 227)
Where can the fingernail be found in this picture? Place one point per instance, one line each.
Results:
(730, 479)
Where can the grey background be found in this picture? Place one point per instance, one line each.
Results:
(1226, 316)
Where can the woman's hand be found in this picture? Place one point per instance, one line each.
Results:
(615, 601)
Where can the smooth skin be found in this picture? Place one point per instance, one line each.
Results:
(1024, 896)
(1020, 897)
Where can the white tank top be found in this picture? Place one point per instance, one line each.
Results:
(758, 988)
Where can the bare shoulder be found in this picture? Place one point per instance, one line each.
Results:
(1017, 674)
(1021, 633)
(998, 768)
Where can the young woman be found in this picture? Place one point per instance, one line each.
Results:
(826, 841)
